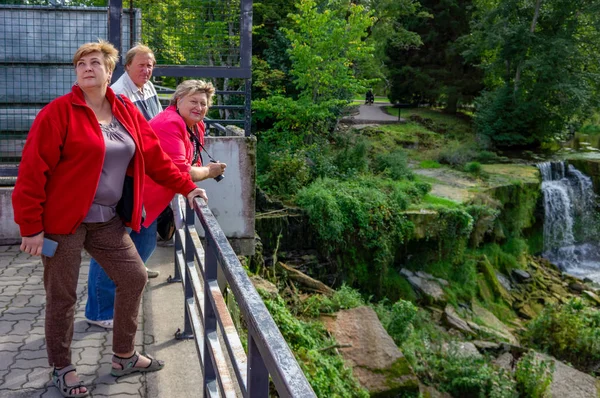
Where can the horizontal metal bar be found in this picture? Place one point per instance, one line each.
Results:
(227, 121)
(227, 107)
(201, 71)
(8, 171)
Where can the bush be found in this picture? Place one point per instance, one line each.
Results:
(534, 376)
(473, 168)
(569, 332)
(394, 165)
(343, 298)
(397, 319)
(360, 224)
(287, 173)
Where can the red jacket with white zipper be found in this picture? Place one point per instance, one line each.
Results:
(62, 161)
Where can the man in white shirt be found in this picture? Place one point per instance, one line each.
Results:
(135, 83)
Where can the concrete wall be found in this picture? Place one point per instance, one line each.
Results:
(233, 199)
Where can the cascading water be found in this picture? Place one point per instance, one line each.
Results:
(570, 228)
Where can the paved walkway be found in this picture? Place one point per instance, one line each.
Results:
(373, 114)
(24, 370)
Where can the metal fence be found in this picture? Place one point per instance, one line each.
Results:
(208, 39)
(226, 368)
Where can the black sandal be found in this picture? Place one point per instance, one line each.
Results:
(128, 365)
(58, 378)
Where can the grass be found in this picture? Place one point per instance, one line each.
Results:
(429, 164)
(436, 200)
(459, 126)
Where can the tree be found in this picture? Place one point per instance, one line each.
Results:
(436, 70)
(541, 62)
(325, 46)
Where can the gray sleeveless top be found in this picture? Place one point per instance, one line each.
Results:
(120, 148)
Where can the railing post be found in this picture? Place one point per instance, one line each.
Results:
(189, 262)
(178, 249)
(258, 375)
(210, 319)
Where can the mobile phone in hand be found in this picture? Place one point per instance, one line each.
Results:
(49, 247)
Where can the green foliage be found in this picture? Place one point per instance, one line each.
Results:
(534, 376)
(429, 164)
(325, 370)
(474, 168)
(286, 175)
(397, 319)
(325, 43)
(484, 218)
(286, 123)
(439, 201)
(343, 298)
(569, 332)
(360, 224)
(266, 81)
(541, 67)
(457, 154)
(436, 71)
(454, 227)
(394, 165)
(459, 375)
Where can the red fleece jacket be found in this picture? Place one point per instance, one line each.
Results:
(62, 162)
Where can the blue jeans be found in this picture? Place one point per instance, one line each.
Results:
(101, 289)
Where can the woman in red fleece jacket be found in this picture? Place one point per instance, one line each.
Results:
(78, 153)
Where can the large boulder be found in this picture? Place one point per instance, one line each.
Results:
(377, 363)
(428, 287)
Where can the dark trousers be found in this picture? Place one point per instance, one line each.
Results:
(110, 244)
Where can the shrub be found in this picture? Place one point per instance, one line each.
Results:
(397, 319)
(534, 376)
(394, 165)
(569, 332)
(473, 168)
(288, 172)
(343, 298)
(360, 224)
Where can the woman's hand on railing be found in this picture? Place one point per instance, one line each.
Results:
(196, 192)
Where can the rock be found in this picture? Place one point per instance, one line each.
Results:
(430, 392)
(376, 361)
(486, 346)
(504, 281)
(492, 322)
(576, 287)
(265, 285)
(521, 276)
(568, 382)
(452, 320)
(505, 361)
(462, 349)
(592, 296)
(427, 286)
(526, 312)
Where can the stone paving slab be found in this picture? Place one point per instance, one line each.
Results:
(24, 370)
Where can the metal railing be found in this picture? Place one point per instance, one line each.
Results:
(209, 323)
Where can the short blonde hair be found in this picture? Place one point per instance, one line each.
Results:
(191, 87)
(138, 49)
(109, 53)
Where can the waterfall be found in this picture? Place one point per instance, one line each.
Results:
(570, 220)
